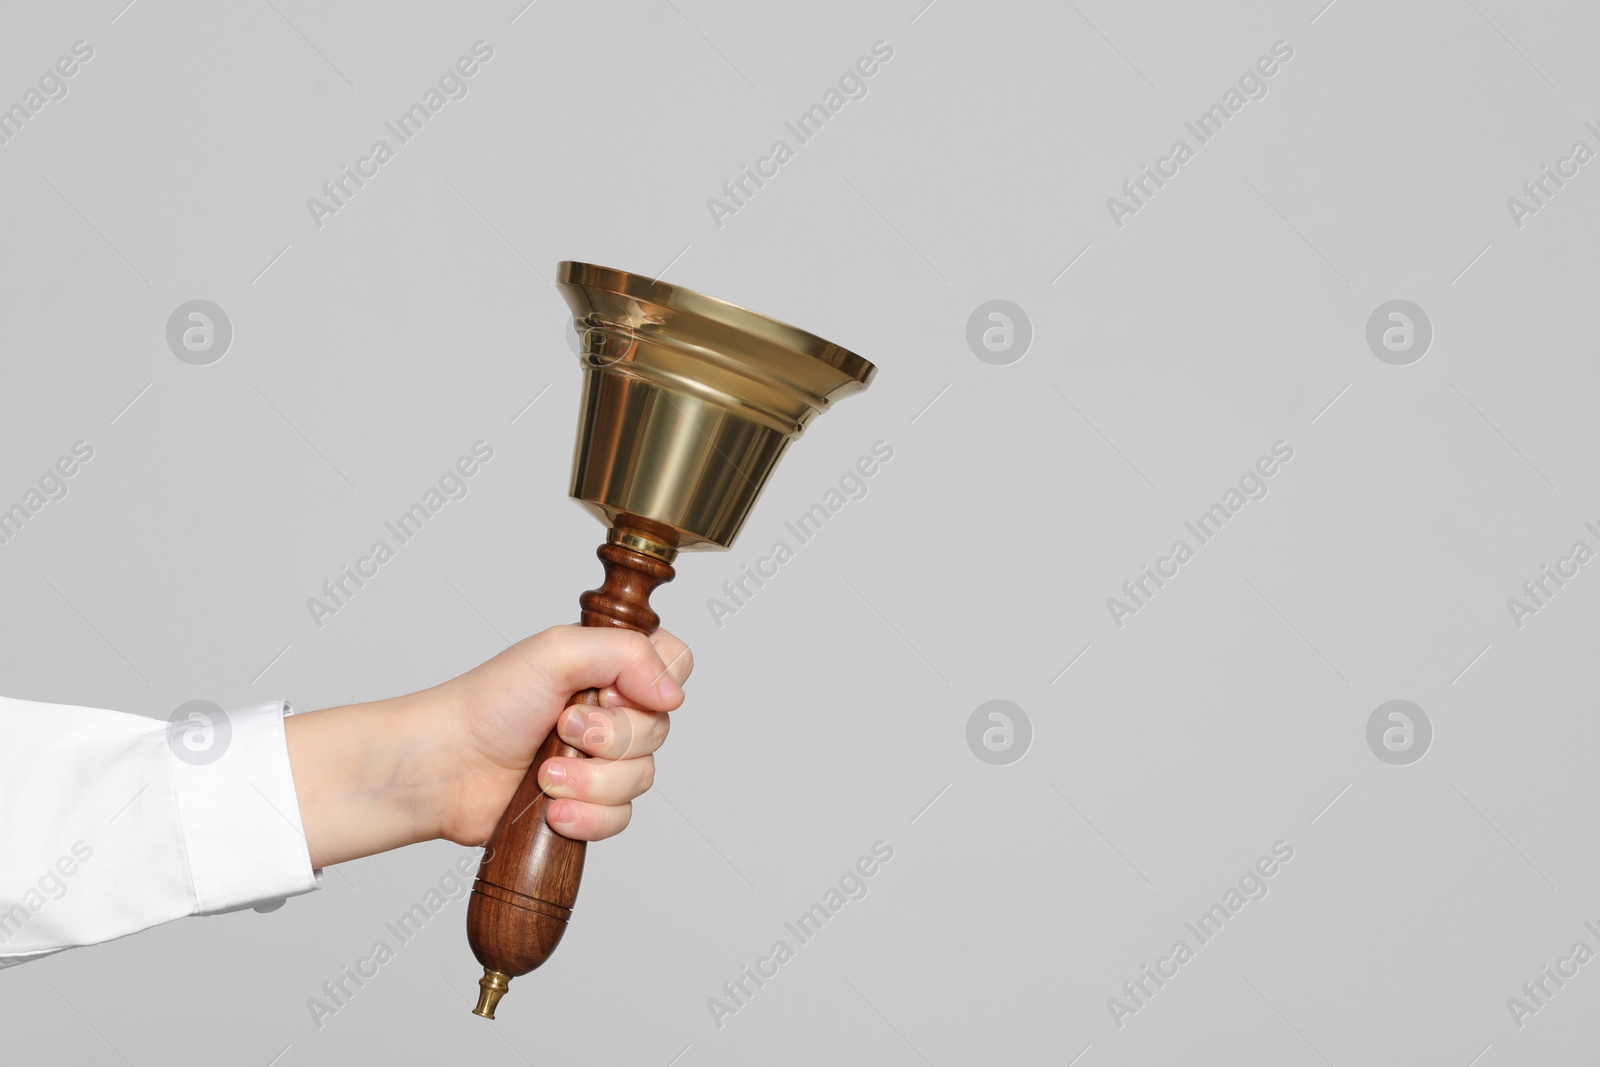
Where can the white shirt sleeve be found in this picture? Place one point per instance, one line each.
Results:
(111, 823)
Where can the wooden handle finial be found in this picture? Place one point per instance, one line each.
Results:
(529, 877)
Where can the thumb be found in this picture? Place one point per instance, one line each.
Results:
(570, 659)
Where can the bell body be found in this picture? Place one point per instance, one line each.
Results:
(689, 402)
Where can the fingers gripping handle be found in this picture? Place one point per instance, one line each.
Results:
(529, 877)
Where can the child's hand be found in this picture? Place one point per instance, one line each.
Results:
(445, 762)
(512, 701)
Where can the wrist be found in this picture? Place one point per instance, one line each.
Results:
(424, 789)
(373, 777)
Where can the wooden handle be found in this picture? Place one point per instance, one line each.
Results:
(529, 877)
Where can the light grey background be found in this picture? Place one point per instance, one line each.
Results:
(1228, 314)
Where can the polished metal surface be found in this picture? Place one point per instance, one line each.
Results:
(688, 403)
(491, 987)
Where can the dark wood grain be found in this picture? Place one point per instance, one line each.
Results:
(528, 880)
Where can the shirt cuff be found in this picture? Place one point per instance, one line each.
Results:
(240, 816)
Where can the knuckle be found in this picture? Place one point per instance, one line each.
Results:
(647, 773)
(581, 775)
(552, 637)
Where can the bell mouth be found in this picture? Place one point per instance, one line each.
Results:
(637, 296)
(688, 402)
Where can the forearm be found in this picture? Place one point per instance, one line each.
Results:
(370, 777)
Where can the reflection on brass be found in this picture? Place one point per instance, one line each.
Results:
(637, 541)
(688, 402)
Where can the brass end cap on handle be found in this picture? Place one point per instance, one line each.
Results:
(491, 987)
